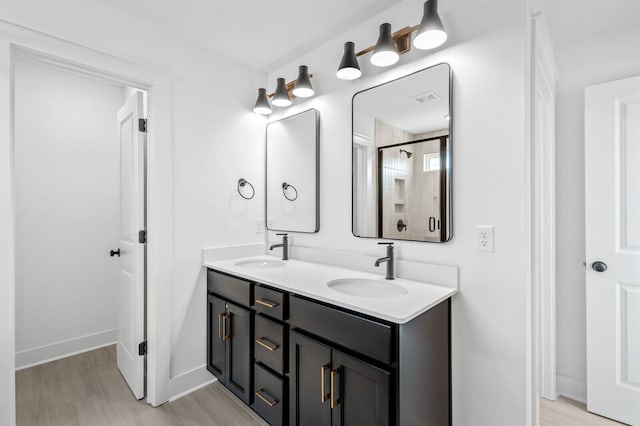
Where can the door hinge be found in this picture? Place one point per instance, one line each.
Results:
(142, 348)
(142, 125)
(142, 236)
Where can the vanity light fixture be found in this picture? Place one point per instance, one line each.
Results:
(262, 105)
(303, 87)
(431, 33)
(284, 92)
(349, 69)
(385, 54)
(281, 97)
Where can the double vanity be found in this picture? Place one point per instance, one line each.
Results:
(304, 343)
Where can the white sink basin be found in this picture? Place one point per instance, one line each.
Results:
(261, 263)
(362, 287)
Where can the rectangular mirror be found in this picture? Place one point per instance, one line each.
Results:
(292, 193)
(402, 158)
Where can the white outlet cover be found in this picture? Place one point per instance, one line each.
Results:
(485, 238)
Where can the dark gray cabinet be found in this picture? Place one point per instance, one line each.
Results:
(297, 361)
(361, 394)
(330, 388)
(230, 348)
(309, 371)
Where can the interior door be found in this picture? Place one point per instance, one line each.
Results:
(131, 286)
(612, 167)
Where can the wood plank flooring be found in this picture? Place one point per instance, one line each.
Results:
(565, 412)
(87, 389)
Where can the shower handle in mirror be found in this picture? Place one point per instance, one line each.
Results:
(401, 225)
(285, 187)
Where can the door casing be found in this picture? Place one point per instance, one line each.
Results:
(16, 40)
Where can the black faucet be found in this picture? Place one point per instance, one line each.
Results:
(388, 259)
(284, 245)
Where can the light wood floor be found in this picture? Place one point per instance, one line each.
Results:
(565, 412)
(87, 389)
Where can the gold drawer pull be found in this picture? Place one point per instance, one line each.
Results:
(267, 303)
(260, 394)
(262, 342)
(334, 401)
(323, 372)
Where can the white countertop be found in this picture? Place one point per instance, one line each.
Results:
(310, 279)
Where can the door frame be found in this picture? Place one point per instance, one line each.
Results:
(542, 77)
(545, 78)
(16, 40)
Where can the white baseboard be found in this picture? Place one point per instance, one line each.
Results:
(190, 381)
(571, 388)
(47, 353)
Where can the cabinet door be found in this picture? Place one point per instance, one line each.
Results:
(239, 351)
(310, 366)
(359, 392)
(216, 348)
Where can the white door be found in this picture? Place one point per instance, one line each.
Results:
(612, 156)
(131, 285)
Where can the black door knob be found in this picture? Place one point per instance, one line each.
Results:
(114, 253)
(599, 266)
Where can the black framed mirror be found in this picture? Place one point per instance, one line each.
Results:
(401, 147)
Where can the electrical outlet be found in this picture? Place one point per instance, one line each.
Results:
(259, 225)
(484, 238)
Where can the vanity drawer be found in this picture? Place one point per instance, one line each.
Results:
(368, 337)
(228, 287)
(270, 302)
(269, 396)
(270, 343)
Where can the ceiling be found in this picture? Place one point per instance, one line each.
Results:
(572, 19)
(260, 34)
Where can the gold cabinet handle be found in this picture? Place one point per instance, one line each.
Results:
(267, 303)
(334, 401)
(260, 394)
(265, 344)
(225, 317)
(323, 372)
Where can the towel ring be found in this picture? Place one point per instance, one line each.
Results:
(241, 184)
(286, 186)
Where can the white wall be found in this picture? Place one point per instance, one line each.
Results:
(67, 211)
(216, 139)
(487, 55)
(584, 62)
